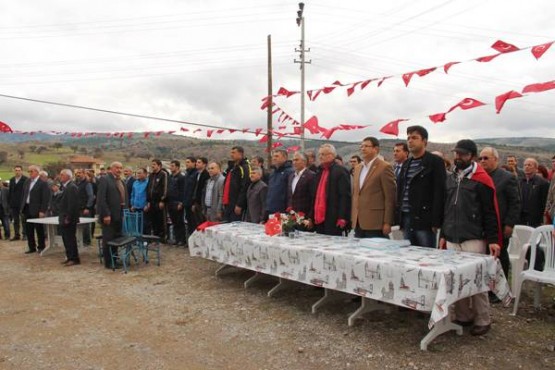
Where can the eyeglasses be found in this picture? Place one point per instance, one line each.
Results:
(483, 158)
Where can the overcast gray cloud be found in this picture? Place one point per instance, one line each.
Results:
(205, 61)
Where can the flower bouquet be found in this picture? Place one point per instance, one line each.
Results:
(290, 221)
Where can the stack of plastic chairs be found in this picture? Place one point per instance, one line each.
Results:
(518, 247)
(542, 237)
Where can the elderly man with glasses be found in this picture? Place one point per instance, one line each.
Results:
(508, 200)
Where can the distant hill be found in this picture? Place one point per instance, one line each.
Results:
(43, 149)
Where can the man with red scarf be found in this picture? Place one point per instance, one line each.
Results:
(332, 203)
(471, 224)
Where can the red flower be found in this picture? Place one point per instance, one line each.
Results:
(277, 215)
(300, 214)
(289, 210)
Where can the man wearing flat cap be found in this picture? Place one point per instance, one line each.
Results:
(471, 224)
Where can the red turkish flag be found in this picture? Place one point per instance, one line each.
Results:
(538, 50)
(338, 83)
(382, 81)
(232, 130)
(272, 227)
(184, 129)
(293, 148)
(245, 130)
(488, 58)
(407, 77)
(277, 144)
(501, 99)
(329, 89)
(365, 83)
(257, 131)
(392, 128)
(264, 139)
(266, 103)
(297, 130)
(4, 127)
(285, 92)
(503, 47)
(448, 66)
(220, 131)
(534, 88)
(438, 117)
(327, 133)
(209, 133)
(197, 130)
(318, 92)
(312, 125)
(467, 103)
(351, 89)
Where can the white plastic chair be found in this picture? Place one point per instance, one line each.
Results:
(542, 237)
(518, 247)
(396, 233)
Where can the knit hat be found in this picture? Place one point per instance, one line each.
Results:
(466, 146)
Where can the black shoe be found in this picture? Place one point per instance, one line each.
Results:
(31, 251)
(15, 238)
(464, 324)
(479, 330)
(73, 263)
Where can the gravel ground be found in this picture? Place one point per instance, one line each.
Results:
(180, 316)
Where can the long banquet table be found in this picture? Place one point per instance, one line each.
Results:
(418, 278)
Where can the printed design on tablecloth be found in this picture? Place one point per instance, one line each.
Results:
(420, 278)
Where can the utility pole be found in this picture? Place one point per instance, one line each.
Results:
(269, 108)
(302, 51)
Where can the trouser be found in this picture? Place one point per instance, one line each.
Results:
(422, 238)
(86, 230)
(30, 229)
(158, 221)
(5, 218)
(109, 233)
(70, 241)
(476, 308)
(504, 257)
(178, 223)
(18, 222)
(229, 214)
(359, 233)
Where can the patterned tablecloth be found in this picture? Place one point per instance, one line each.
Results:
(420, 278)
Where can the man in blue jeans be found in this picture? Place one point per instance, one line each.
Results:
(420, 191)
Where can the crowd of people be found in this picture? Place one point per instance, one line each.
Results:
(471, 204)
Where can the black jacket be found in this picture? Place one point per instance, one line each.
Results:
(190, 181)
(69, 205)
(533, 197)
(200, 184)
(157, 190)
(469, 211)
(176, 188)
(39, 199)
(239, 184)
(508, 198)
(426, 193)
(15, 193)
(338, 199)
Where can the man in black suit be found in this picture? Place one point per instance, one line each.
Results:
(533, 194)
(331, 213)
(34, 204)
(69, 217)
(300, 186)
(508, 200)
(15, 198)
(110, 202)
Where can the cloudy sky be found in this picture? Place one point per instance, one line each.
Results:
(205, 61)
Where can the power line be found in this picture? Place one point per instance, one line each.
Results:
(147, 117)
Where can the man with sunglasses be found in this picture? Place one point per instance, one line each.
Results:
(508, 200)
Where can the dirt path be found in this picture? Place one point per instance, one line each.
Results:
(179, 316)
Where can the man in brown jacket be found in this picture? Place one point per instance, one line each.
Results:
(373, 207)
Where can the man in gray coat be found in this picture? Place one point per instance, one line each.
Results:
(110, 202)
(256, 197)
(212, 193)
